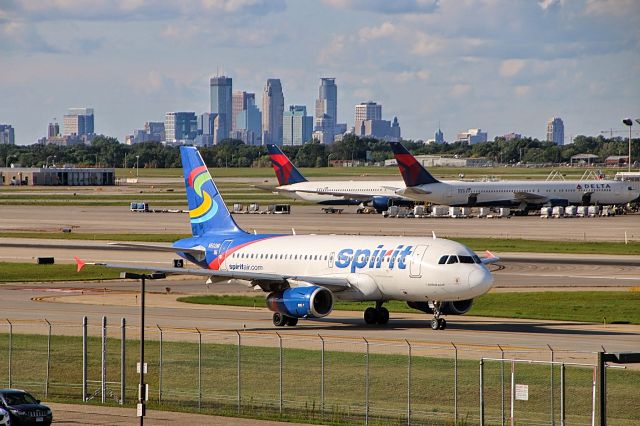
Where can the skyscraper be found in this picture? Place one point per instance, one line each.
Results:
(439, 136)
(369, 123)
(368, 111)
(555, 131)
(7, 135)
(248, 127)
(79, 122)
(54, 130)
(326, 115)
(297, 126)
(272, 112)
(221, 103)
(239, 104)
(180, 126)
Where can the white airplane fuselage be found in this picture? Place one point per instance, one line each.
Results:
(377, 268)
(514, 193)
(317, 191)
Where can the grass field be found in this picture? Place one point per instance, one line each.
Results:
(595, 306)
(211, 385)
(31, 272)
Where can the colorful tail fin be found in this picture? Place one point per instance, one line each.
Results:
(286, 172)
(412, 171)
(207, 211)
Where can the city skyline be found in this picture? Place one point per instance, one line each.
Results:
(518, 65)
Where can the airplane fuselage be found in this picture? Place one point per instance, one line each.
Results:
(377, 268)
(531, 193)
(340, 192)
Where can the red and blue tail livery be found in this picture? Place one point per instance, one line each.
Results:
(412, 172)
(286, 172)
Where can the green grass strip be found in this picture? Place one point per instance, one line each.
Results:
(587, 306)
(27, 272)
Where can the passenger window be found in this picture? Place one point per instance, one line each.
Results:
(452, 259)
(443, 260)
(465, 259)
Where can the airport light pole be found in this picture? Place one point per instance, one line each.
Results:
(629, 122)
(137, 168)
(142, 393)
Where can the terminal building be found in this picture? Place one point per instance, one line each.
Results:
(56, 176)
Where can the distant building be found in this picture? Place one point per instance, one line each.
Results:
(472, 136)
(7, 135)
(512, 136)
(180, 127)
(439, 136)
(326, 114)
(297, 126)
(79, 122)
(153, 131)
(66, 176)
(272, 112)
(53, 130)
(368, 111)
(247, 125)
(369, 123)
(222, 103)
(555, 131)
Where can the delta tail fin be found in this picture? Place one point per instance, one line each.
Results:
(207, 211)
(413, 173)
(286, 172)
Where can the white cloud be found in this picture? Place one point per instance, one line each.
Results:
(387, 6)
(426, 44)
(511, 67)
(386, 29)
(523, 90)
(459, 90)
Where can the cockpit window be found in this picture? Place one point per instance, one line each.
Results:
(443, 260)
(465, 259)
(476, 259)
(452, 259)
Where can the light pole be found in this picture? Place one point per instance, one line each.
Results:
(6, 160)
(96, 160)
(629, 122)
(137, 159)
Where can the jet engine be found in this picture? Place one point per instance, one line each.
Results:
(458, 307)
(380, 203)
(302, 302)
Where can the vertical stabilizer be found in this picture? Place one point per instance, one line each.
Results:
(413, 173)
(207, 211)
(286, 172)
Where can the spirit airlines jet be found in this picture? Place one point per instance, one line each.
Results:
(378, 194)
(305, 274)
(422, 186)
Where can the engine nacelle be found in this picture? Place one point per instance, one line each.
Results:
(380, 203)
(458, 307)
(302, 302)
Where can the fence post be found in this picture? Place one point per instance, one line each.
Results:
(280, 373)
(160, 368)
(455, 383)
(103, 379)
(321, 375)
(10, 349)
(481, 391)
(199, 369)
(513, 392)
(84, 359)
(239, 371)
(501, 384)
(409, 350)
(562, 401)
(123, 358)
(366, 384)
(46, 380)
(553, 420)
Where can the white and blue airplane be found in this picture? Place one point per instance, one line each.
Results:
(305, 274)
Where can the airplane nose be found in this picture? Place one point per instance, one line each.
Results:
(480, 277)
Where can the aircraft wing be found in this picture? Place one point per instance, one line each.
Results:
(352, 195)
(412, 190)
(489, 258)
(267, 281)
(530, 197)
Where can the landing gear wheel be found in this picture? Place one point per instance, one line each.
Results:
(435, 324)
(279, 320)
(443, 324)
(292, 321)
(382, 316)
(370, 316)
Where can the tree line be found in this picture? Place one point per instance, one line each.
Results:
(109, 152)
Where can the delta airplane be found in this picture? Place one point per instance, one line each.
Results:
(305, 274)
(422, 186)
(378, 194)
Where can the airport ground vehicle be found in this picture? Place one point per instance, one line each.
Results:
(24, 409)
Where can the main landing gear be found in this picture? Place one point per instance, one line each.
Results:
(377, 315)
(438, 323)
(280, 320)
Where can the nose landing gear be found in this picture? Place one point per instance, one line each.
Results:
(377, 315)
(438, 323)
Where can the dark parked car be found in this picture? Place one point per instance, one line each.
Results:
(24, 409)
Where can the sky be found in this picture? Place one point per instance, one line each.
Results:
(500, 65)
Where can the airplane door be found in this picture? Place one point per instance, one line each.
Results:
(415, 268)
(221, 252)
(331, 256)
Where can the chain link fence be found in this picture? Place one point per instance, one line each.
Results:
(317, 378)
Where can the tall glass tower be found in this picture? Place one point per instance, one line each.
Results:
(272, 112)
(327, 107)
(221, 103)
